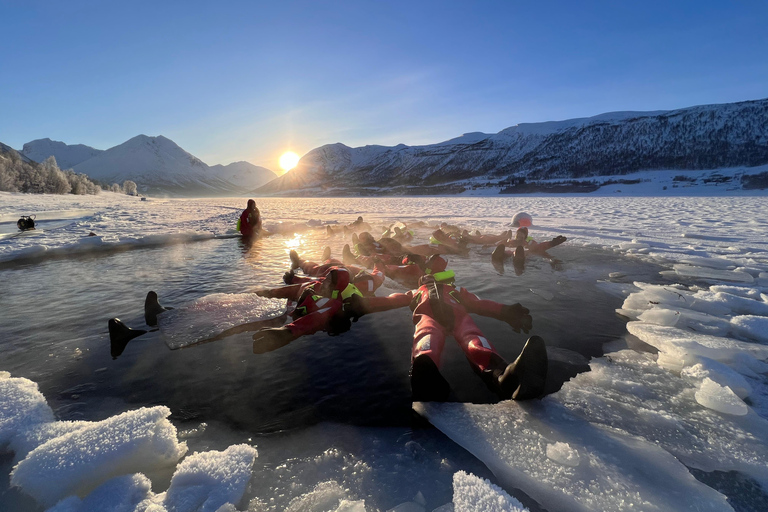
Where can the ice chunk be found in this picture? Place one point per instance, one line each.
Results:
(737, 304)
(212, 314)
(713, 274)
(719, 263)
(622, 471)
(687, 345)
(120, 494)
(742, 291)
(325, 496)
(21, 407)
(75, 463)
(628, 392)
(752, 327)
(205, 481)
(721, 399)
(720, 373)
(31, 438)
(474, 494)
(563, 454)
(687, 319)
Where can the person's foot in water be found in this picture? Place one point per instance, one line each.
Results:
(267, 340)
(518, 260)
(525, 378)
(295, 260)
(347, 257)
(152, 308)
(119, 336)
(326, 253)
(557, 241)
(427, 383)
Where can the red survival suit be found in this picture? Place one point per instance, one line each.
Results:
(365, 282)
(314, 312)
(248, 228)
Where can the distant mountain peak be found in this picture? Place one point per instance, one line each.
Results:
(614, 143)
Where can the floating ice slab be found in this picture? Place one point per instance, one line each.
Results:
(752, 327)
(210, 315)
(713, 274)
(720, 398)
(679, 348)
(474, 494)
(628, 392)
(616, 471)
(120, 494)
(205, 481)
(21, 407)
(77, 462)
(29, 439)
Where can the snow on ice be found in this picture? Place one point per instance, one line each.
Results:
(691, 392)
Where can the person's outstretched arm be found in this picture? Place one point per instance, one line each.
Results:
(358, 306)
(291, 292)
(516, 315)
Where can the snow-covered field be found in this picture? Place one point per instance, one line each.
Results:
(673, 417)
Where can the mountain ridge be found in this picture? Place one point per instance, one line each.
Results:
(615, 143)
(156, 164)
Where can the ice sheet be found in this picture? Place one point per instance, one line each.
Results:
(213, 314)
(616, 471)
(473, 494)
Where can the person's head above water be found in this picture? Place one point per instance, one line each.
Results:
(521, 234)
(337, 280)
(251, 204)
(522, 219)
(366, 238)
(435, 264)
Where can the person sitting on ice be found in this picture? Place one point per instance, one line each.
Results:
(440, 308)
(366, 282)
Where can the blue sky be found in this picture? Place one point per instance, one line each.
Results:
(249, 80)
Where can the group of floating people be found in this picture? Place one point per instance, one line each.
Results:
(329, 295)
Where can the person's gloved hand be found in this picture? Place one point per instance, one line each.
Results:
(267, 340)
(517, 316)
(354, 307)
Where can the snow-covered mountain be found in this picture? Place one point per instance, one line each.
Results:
(244, 175)
(67, 156)
(5, 149)
(156, 164)
(618, 143)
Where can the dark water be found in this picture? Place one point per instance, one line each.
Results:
(54, 332)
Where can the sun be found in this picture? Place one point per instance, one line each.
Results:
(289, 160)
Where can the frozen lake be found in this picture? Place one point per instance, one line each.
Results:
(331, 417)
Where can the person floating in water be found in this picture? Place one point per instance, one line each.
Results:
(529, 244)
(520, 246)
(250, 220)
(440, 308)
(481, 239)
(321, 305)
(366, 282)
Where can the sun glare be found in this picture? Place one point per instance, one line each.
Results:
(288, 161)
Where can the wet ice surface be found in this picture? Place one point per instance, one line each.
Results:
(681, 392)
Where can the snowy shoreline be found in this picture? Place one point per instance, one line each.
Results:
(698, 399)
